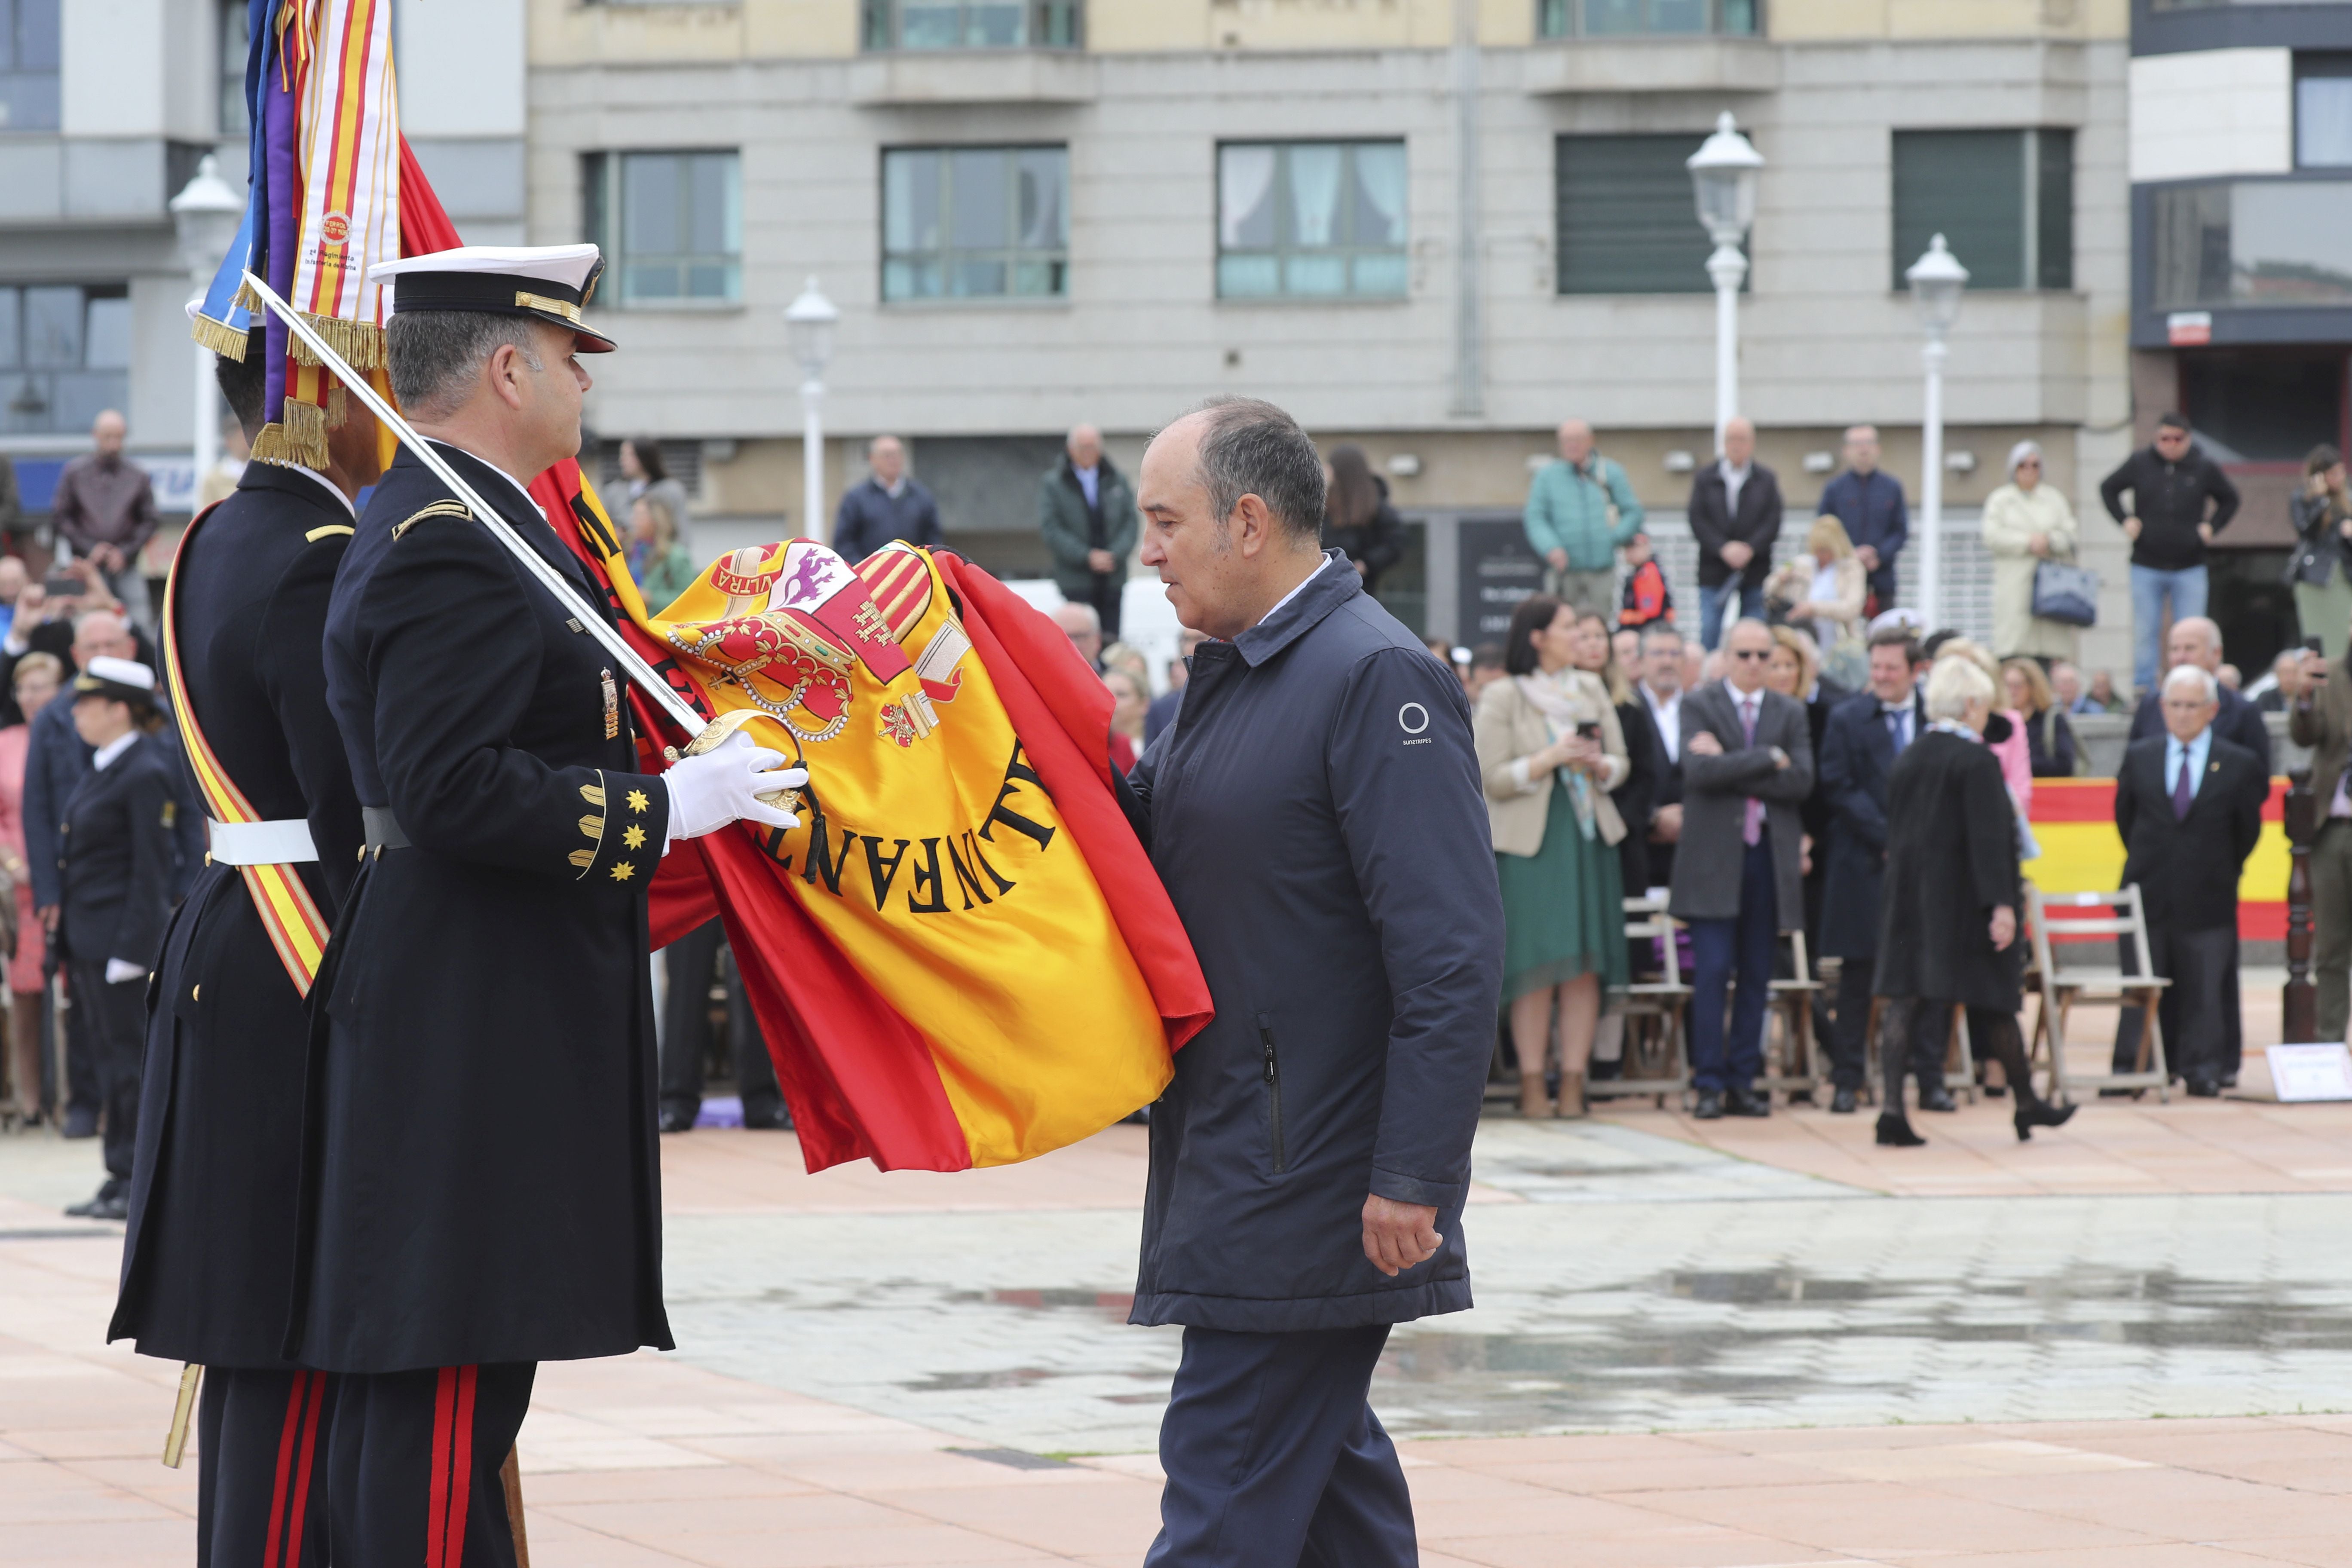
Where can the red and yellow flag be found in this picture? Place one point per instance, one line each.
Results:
(962, 956)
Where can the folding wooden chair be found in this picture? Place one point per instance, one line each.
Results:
(1794, 1061)
(2057, 918)
(1656, 1008)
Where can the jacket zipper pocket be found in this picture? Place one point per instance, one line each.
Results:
(1273, 1093)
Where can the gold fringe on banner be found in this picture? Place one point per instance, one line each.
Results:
(339, 405)
(247, 300)
(298, 435)
(222, 339)
(360, 342)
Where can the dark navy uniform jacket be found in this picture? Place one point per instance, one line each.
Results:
(117, 855)
(480, 1180)
(1316, 815)
(207, 1264)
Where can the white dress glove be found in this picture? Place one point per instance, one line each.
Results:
(724, 786)
(118, 970)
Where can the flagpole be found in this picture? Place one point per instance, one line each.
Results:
(632, 664)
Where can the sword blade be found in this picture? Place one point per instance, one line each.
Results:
(633, 663)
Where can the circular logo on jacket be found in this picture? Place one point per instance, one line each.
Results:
(336, 227)
(1412, 718)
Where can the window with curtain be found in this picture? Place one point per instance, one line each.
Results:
(2003, 201)
(975, 223)
(671, 224)
(971, 24)
(2323, 111)
(1627, 221)
(65, 355)
(1311, 220)
(28, 65)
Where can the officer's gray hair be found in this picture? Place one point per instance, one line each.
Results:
(1251, 448)
(2208, 689)
(436, 355)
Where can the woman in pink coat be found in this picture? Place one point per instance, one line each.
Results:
(36, 680)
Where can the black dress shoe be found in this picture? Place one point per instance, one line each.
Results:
(2228, 1080)
(1709, 1107)
(80, 1122)
(2205, 1088)
(2119, 1094)
(2041, 1114)
(111, 1202)
(779, 1119)
(1845, 1102)
(1894, 1131)
(1936, 1097)
(1747, 1102)
(675, 1120)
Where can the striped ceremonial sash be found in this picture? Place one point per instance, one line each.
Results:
(287, 913)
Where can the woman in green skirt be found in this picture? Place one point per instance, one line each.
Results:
(1550, 750)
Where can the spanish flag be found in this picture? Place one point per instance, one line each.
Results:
(962, 956)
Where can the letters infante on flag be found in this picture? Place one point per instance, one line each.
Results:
(963, 955)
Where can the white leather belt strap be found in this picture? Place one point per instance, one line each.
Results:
(280, 843)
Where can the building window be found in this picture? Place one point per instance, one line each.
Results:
(671, 224)
(65, 355)
(1311, 220)
(28, 65)
(971, 23)
(975, 223)
(2003, 201)
(1625, 215)
(1620, 19)
(2323, 111)
(235, 43)
(2258, 243)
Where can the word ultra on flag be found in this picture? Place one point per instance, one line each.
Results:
(962, 956)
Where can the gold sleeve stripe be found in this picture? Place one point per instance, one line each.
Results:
(594, 794)
(584, 858)
(593, 827)
(590, 826)
(438, 509)
(328, 531)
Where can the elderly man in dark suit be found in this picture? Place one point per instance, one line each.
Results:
(2190, 807)
(1748, 764)
(1734, 515)
(1864, 737)
(2196, 641)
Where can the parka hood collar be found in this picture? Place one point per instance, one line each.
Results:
(1331, 587)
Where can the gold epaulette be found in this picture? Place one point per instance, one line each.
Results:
(438, 509)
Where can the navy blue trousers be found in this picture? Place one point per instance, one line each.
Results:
(1720, 949)
(1273, 1456)
(261, 1486)
(413, 1461)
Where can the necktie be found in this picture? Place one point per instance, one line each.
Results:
(1751, 831)
(2182, 797)
(1898, 728)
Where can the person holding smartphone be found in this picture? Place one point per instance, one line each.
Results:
(1550, 751)
(2321, 719)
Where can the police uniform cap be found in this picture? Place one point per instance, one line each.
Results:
(549, 282)
(124, 679)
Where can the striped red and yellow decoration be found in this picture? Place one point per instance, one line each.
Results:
(297, 930)
(2075, 822)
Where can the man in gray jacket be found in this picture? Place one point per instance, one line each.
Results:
(1085, 511)
(1314, 812)
(1747, 765)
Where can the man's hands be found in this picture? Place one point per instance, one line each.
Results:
(724, 784)
(2131, 529)
(1704, 744)
(1868, 556)
(1666, 825)
(48, 918)
(1558, 557)
(2004, 927)
(1102, 561)
(1737, 554)
(1398, 1235)
(2205, 531)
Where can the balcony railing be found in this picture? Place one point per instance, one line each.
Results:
(1648, 19)
(973, 25)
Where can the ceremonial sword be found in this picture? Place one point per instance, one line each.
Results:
(598, 626)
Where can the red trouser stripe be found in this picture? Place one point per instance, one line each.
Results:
(290, 1436)
(436, 1518)
(461, 1470)
(302, 1466)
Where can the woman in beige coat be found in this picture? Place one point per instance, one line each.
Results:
(2026, 522)
(1550, 750)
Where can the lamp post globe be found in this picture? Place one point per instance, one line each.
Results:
(205, 214)
(1724, 172)
(1936, 280)
(809, 325)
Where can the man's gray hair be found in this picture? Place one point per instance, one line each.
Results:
(2208, 689)
(436, 355)
(1251, 448)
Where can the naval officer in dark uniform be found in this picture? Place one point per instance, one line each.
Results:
(208, 1261)
(116, 857)
(481, 1179)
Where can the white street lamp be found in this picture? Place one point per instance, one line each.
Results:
(1936, 280)
(1723, 177)
(809, 324)
(206, 214)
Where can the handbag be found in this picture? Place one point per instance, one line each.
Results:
(2065, 593)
